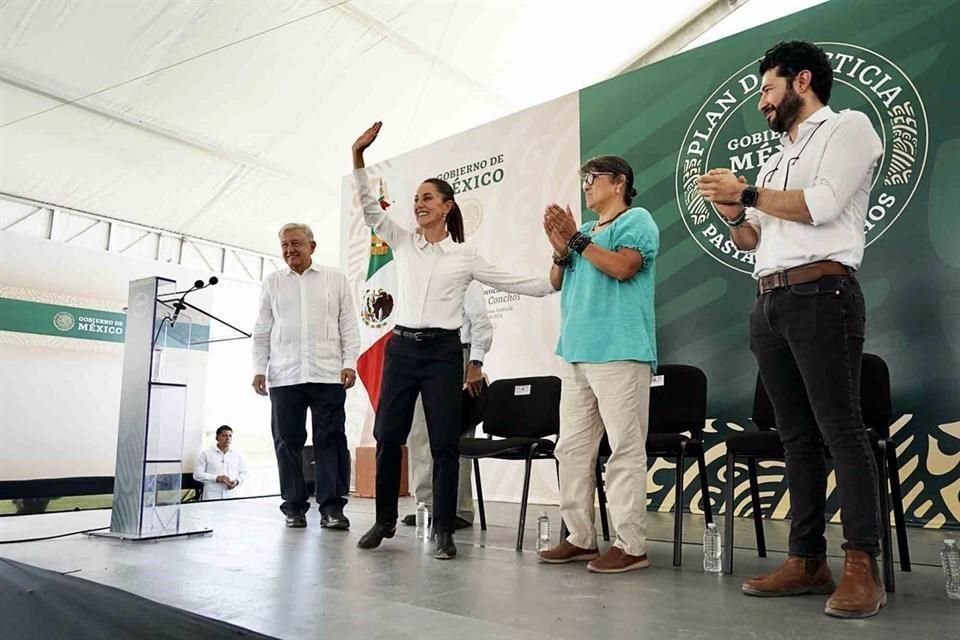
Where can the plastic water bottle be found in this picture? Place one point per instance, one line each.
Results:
(950, 559)
(543, 532)
(712, 550)
(423, 522)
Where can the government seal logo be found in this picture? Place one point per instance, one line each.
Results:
(64, 321)
(472, 213)
(376, 307)
(728, 132)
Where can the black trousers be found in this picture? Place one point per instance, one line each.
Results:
(434, 370)
(332, 469)
(808, 342)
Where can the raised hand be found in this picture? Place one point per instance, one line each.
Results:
(367, 137)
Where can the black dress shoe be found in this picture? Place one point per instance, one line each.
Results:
(297, 522)
(334, 520)
(445, 549)
(461, 523)
(372, 538)
(409, 520)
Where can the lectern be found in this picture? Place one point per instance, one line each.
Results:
(160, 331)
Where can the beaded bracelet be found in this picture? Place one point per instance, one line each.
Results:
(736, 222)
(578, 242)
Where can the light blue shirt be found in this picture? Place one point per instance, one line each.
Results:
(601, 318)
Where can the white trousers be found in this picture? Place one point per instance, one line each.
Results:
(615, 396)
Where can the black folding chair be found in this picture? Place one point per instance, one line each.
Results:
(765, 444)
(678, 411)
(518, 416)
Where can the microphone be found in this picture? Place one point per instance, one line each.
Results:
(179, 306)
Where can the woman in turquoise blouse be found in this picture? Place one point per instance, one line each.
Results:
(606, 272)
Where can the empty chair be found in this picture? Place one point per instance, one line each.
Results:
(519, 415)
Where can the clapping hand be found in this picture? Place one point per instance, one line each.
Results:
(559, 222)
(556, 241)
(722, 187)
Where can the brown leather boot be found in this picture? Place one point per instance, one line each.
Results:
(861, 593)
(795, 577)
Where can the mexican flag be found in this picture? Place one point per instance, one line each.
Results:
(376, 310)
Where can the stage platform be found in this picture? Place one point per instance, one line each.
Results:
(313, 583)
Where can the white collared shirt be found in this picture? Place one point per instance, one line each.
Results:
(432, 278)
(306, 328)
(212, 463)
(832, 161)
(477, 330)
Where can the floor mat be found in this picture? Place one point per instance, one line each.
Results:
(36, 603)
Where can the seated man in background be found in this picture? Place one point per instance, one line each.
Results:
(221, 469)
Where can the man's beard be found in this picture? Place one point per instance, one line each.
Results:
(786, 114)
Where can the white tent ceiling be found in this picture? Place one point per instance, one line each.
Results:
(223, 119)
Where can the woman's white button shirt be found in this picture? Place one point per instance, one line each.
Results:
(433, 278)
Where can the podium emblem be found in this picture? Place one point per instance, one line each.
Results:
(64, 321)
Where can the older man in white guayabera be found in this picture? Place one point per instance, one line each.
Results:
(305, 347)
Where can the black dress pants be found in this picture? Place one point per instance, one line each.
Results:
(432, 368)
(289, 406)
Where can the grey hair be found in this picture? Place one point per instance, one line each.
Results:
(297, 226)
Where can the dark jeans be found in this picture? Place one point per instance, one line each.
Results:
(808, 342)
(433, 369)
(332, 468)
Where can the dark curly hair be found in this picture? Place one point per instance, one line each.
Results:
(790, 58)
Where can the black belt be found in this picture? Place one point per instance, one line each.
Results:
(422, 335)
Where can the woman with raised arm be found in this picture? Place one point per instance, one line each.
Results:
(424, 355)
